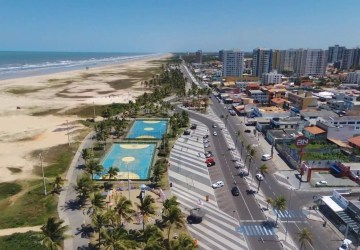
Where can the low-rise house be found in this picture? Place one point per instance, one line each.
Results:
(287, 123)
(340, 128)
(270, 112)
(312, 115)
(302, 100)
(258, 96)
(354, 142)
(314, 133)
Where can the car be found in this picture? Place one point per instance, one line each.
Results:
(235, 191)
(345, 245)
(187, 132)
(209, 160)
(214, 125)
(205, 136)
(239, 164)
(215, 133)
(265, 157)
(209, 155)
(259, 177)
(247, 131)
(206, 141)
(206, 145)
(218, 184)
(210, 164)
(243, 173)
(321, 183)
(208, 152)
(193, 126)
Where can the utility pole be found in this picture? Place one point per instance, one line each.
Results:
(43, 174)
(94, 108)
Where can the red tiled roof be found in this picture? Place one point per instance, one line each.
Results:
(355, 140)
(315, 130)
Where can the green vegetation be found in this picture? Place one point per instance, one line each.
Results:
(22, 241)
(28, 209)
(60, 157)
(46, 112)
(312, 156)
(8, 189)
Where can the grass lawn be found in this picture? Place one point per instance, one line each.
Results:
(8, 189)
(29, 207)
(24, 241)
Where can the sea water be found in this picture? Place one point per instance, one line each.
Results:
(15, 64)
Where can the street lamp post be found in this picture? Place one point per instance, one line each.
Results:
(67, 127)
(43, 174)
(127, 167)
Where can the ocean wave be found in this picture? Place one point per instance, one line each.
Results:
(17, 68)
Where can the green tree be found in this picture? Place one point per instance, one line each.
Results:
(153, 238)
(147, 208)
(174, 216)
(168, 203)
(304, 236)
(268, 201)
(117, 239)
(183, 242)
(53, 233)
(124, 209)
(83, 187)
(57, 184)
(97, 201)
(113, 172)
(279, 203)
(252, 153)
(99, 220)
(87, 154)
(93, 167)
(263, 170)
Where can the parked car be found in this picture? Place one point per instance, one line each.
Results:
(345, 245)
(259, 177)
(243, 173)
(265, 157)
(321, 183)
(206, 145)
(209, 153)
(193, 126)
(209, 160)
(214, 125)
(187, 132)
(239, 164)
(215, 133)
(247, 131)
(235, 191)
(205, 136)
(206, 141)
(218, 184)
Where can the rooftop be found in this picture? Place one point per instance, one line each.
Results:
(278, 100)
(316, 113)
(314, 130)
(256, 91)
(272, 109)
(355, 140)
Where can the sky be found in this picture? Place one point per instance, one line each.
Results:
(176, 25)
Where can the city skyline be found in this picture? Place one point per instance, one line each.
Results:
(184, 26)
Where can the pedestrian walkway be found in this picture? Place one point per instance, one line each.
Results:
(10, 231)
(191, 184)
(291, 214)
(256, 230)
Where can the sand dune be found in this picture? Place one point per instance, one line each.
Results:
(21, 132)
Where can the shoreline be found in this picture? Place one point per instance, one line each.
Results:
(48, 71)
(33, 109)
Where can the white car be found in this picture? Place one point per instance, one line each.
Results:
(265, 157)
(345, 245)
(214, 125)
(321, 183)
(259, 177)
(215, 133)
(218, 184)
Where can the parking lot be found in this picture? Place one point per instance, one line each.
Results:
(331, 180)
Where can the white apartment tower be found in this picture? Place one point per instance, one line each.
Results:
(233, 63)
(315, 62)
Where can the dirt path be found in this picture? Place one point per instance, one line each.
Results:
(9, 231)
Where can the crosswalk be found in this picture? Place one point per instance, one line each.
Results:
(256, 230)
(291, 214)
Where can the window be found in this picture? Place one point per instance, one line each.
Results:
(351, 122)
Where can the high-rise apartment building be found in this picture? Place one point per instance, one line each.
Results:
(315, 62)
(221, 55)
(198, 56)
(335, 54)
(233, 61)
(262, 61)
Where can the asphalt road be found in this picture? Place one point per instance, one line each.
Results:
(246, 206)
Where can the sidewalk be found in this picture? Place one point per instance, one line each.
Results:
(191, 184)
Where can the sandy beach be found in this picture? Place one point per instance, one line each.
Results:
(27, 124)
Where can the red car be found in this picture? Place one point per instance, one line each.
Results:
(209, 160)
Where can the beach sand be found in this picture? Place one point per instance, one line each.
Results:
(22, 132)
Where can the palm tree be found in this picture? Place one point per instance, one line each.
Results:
(93, 167)
(87, 154)
(83, 187)
(174, 216)
(124, 209)
(53, 233)
(97, 201)
(264, 169)
(248, 148)
(238, 134)
(147, 208)
(112, 172)
(117, 239)
(99, 220)
(279, 204)
(153, 238)
(304, 236)
(168, 203)
(57, 184)
(251, 155)
(183, 242)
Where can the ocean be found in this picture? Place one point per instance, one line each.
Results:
(14, 64)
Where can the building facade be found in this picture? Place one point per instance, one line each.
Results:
(262, 61)
(336, 53)
(302, 100)
(233, 63)
(198, 56)
(271, 78)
